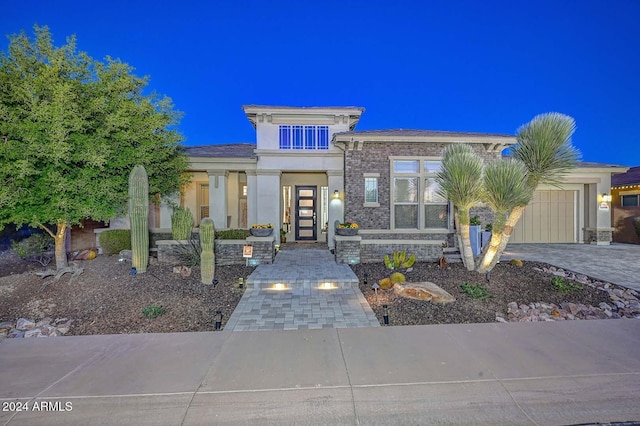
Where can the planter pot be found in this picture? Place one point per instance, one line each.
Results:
(474, 236)
(486, 237)
(261, 232)
(347, 232)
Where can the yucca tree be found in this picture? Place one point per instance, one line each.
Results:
(460, 181)
(544, 146)
(504, 188)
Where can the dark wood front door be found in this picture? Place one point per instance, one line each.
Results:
(306, 214)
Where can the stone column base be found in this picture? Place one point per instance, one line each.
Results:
(599, 236)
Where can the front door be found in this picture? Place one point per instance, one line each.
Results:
(306, 216)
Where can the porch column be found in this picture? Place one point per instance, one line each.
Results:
(268, 199)
(335, 181)
(252, 197)
(218, 197)
(602, 232)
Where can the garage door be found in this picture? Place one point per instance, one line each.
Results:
(549, 218)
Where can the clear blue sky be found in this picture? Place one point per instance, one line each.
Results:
(486, 66)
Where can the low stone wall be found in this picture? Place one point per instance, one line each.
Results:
(599, 236)
(228, 252)
(373, 251)
(354, 250)
(347, 249)
(264, 250)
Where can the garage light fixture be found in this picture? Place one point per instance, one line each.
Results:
(606, 197)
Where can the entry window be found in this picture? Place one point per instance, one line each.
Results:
(416, 202)
(304, 137)
(630, 200)
(203, 201)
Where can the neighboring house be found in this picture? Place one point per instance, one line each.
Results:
(625, 200)
(309, 168)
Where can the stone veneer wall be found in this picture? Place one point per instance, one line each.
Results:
(228, 252)
(373, 251)
(374, 158)
(355, 250)
(347, 249)
(264, 250)
(600, 236)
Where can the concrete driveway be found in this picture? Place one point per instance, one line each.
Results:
(615, 263)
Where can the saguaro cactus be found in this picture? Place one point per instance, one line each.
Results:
(181, 223)
(207, 256)
(139, 217)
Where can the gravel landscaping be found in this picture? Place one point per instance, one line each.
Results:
(106, 299)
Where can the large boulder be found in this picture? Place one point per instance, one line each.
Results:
(423, 291)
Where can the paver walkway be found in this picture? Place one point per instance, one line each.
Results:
(302, 289)
(615, 263)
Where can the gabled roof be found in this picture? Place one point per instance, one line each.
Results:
(232, 150)
(632, 177)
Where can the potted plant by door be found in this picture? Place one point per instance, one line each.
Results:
(283, 236)
(347, 229)
(261, 230)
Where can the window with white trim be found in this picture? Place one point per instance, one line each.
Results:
(371, 188)
(416, 203)
(304, 137)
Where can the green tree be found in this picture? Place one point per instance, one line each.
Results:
(71, 130)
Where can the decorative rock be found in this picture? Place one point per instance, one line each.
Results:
(185, 272)
(423, 291)
(32, 333)
(7, 325)
(500, 319)
(44, 321)
(605, 307)
(25, 324)
(125, 254)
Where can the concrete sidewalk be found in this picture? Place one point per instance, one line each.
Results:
(534, 373)
(615, 263)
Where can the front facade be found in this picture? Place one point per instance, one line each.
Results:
(310, 168)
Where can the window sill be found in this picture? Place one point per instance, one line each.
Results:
(371, 205)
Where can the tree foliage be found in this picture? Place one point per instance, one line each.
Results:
(71, 130)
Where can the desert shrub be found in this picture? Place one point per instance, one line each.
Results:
(35, 245)
(476, 291)
(564, 286)
(397, 277)
(153, 311)
(115, 240)
(232, 234)
(189, 253)
(399, 260)
(386, 283)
